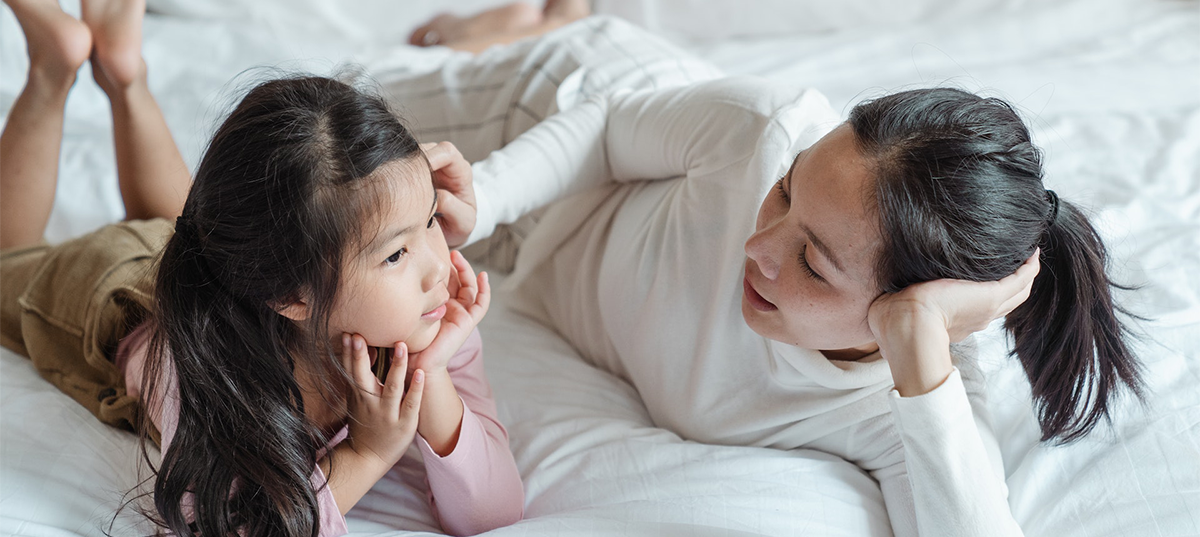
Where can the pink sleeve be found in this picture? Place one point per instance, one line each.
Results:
(131, 357)
(476, 487)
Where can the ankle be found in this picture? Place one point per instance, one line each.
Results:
(50, 79)
(121, 82)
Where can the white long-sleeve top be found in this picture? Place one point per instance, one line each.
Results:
(641, 267)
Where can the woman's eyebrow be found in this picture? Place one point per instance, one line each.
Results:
(825, 250)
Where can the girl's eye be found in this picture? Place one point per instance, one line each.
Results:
(783, 190)
(433, 220)
(395, 258)
(808, 268)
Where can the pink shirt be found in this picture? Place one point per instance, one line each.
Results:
(474, 489)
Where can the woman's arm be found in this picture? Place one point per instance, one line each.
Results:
(953, 488)
(951, 481)
(638, 135)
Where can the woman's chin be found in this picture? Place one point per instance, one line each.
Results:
(754, 319)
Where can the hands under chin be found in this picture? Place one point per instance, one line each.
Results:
(915, 326)
(470, 297)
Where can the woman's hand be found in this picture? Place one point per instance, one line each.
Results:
(383, 419)
(466, 307)
(915, 326)
(455, 189)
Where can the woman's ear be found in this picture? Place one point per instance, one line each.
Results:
(295, 308)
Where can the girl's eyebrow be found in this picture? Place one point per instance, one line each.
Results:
(380, 242)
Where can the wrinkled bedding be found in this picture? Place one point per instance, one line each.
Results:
(1113, 101)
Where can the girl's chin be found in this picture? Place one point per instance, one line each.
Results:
(420, 341)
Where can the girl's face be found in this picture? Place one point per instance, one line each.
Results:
(809, 277)
(397, 287)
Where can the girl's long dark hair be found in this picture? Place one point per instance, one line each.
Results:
(279, 201)
(959, 195)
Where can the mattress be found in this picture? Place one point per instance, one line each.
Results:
(1110, 87)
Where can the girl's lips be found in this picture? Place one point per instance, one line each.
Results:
(435, 315)
(756, 300)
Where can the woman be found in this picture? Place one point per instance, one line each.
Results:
(766, 275)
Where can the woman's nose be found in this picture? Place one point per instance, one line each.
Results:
(759, 248)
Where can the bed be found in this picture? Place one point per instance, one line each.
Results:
(1111, 88)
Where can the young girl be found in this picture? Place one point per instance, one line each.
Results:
(240, 336)
(766, 274)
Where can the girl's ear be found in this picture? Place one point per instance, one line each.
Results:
(295, 308)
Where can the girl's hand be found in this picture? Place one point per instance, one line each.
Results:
(455, 189)
(383, 419)
(464, 310)
(915, 326)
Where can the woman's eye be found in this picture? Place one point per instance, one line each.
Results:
(808, 268)
(395, 258)
(783, 189)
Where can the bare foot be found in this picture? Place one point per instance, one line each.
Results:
(117, 28)
(566, 11)
(58, 43)
(446, 29)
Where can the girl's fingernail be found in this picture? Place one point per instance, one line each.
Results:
(358, 343)
(345, 340)
(419, 376)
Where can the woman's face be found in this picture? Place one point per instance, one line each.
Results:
(397, 287)
(809, 277)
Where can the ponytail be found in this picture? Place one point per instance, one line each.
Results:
(959, 195)
(1067, 335)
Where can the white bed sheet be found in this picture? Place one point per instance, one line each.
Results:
(1115, 102)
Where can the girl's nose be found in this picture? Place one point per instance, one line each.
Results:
(438, 269)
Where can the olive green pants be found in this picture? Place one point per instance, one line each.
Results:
(66, 307)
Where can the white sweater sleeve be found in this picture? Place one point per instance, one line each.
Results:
(627, 136)
(954, 480)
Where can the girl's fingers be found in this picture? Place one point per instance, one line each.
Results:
(347, 354)
(411, 407)
(362, 366)
(485, 297)
(393, 387)
(468, 288)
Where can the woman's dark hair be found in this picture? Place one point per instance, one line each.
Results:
(281, 198)
(959, 194)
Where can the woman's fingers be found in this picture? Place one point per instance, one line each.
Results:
(1015, 288)
(445, 160)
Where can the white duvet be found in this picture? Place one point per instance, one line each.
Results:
(1112, 89)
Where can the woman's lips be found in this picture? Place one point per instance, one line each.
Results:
(756, 300)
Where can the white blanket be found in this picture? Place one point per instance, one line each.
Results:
(1114, 101)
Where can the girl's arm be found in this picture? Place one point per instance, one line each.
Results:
(639, 135)
(475, 487)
